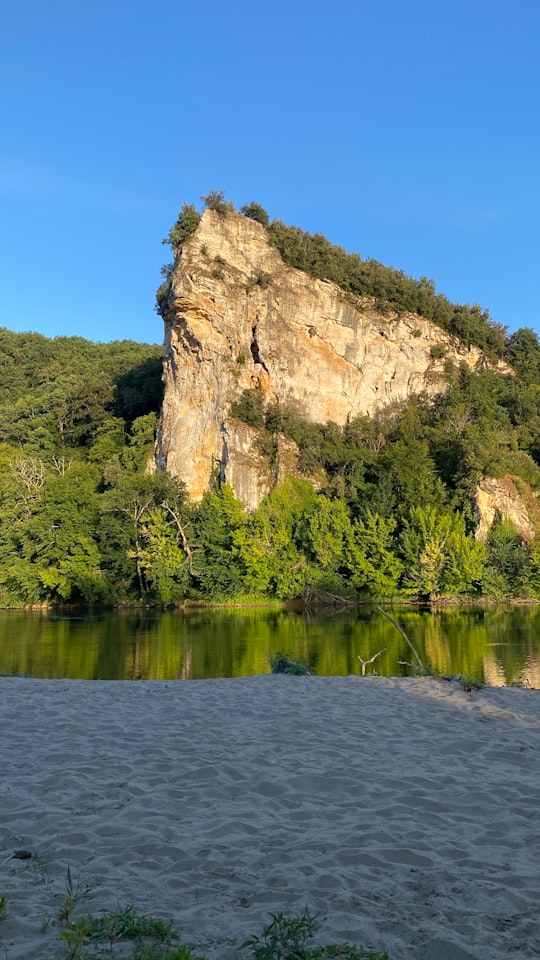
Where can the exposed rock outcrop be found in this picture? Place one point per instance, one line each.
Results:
(238, 318)
(501, 497)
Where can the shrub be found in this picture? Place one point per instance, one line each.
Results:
(186, 223)
(254, 211)
(281, 663)
(438, 351)
(249, 408)
(264, 279)
(215, 200)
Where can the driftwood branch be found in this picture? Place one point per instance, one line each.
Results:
(413, 649)
(371, 659)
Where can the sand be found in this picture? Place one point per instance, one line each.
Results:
(404, 812)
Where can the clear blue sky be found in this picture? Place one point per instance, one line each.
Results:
(405, 130)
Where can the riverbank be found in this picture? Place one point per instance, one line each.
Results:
(404, 812)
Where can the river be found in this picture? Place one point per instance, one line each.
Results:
(498, 645)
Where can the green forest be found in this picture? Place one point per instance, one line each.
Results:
(391, 516)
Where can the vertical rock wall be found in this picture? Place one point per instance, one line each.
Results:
(238, 318)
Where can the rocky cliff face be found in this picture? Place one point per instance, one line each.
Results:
(238, 318)
(501, 497)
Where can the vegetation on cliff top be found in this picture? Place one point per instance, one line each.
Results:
(390, 288)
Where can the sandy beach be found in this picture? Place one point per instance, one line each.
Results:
(404, 812)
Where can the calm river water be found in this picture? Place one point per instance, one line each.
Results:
(499, 645)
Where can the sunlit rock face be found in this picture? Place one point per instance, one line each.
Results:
(500, 497)
(229, 327)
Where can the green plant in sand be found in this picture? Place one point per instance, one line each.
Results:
(127, 934)
(76, 935)
(3, 908)
(286, 938)
(126, 924)
(75, 892)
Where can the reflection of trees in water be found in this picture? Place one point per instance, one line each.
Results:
(500, 645)
(456, 644)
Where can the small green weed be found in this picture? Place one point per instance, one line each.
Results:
(127, 924)
(284, 938)
(282, 663)
(3, 908)
(76, 935)
(75, 892)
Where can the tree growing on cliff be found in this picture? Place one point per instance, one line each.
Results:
(185, 224)
(215, 200)
(254, 211)
(249, 408)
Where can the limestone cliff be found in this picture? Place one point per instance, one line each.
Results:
(238, 318)
(501, 497)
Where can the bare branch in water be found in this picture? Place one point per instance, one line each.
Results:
(371, 659)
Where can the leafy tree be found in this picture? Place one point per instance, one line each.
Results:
(254, 211)
(270, 543)
(218, 520)
(54, 543)
(139, 391)
(324, 534)
(440, 559)
(372, 557)
(512, 570)
(215, 200)
(134, 513)
(184, 226)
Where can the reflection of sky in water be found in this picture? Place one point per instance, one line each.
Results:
(495, 676)
(494, 672)
(531, 672)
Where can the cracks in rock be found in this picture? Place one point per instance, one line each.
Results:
(189, 340)
(255, 350)
(224, 453)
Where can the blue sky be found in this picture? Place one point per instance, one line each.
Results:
(404, 130)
